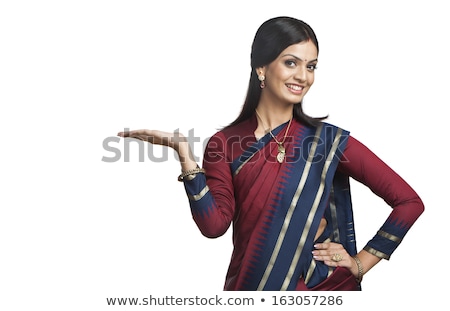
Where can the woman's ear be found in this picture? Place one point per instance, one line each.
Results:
(261, 71)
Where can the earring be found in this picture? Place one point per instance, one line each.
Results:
(262, 78)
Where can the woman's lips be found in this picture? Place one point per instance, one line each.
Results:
(295, 88)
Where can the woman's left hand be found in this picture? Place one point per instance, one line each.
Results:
(335, 255)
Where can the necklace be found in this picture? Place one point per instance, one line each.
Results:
(281, 150)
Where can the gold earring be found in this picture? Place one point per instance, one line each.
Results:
(261, 78)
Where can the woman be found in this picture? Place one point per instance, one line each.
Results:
(282, 179)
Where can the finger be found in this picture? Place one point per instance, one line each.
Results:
(327, 259)
(131, 135)
(128, 134)
(321, 245)
(134, 133)
(137, 134)
(332, 247)
(328, 245)
(321, 255)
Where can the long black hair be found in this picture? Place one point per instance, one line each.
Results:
(272, 37)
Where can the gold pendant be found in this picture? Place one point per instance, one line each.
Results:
(281, 153)
(280, 157)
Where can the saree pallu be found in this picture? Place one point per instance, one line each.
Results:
(279, 208)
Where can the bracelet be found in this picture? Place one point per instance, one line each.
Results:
(191, 172)
(360, 269)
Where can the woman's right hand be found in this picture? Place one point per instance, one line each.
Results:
(156, 137)
(173, 140)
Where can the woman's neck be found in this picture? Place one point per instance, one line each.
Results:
(273, 116)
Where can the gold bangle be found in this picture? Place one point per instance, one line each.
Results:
(190, 172)
(360, 269)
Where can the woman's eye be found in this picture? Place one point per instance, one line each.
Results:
(290, 63)
(312, 67)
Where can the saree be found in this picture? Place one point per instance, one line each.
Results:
(276, 208)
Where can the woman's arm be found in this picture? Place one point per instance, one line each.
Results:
(364, 166)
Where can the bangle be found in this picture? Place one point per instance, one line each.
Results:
(190, 172)
(360, 269)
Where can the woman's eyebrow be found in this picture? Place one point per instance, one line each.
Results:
(303, 60)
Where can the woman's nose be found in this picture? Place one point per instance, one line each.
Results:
(300, 74)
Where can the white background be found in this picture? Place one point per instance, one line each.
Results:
(75, 230)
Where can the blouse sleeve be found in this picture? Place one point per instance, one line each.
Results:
(211, 195)
(364, 166)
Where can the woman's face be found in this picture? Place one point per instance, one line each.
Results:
(289, 77)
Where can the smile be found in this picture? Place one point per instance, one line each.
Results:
(294, 87)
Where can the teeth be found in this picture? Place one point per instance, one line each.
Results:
(294, 87)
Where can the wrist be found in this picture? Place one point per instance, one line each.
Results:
(185, 156)
(178, 141)
(183, 149)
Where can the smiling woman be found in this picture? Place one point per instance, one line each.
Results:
(280, 178)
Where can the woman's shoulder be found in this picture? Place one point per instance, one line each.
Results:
(232, 140)
(243, 129)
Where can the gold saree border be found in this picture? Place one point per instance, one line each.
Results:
(389, 236)
(243, 163)
(377, 253)
(197, 197)
(310, 271)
